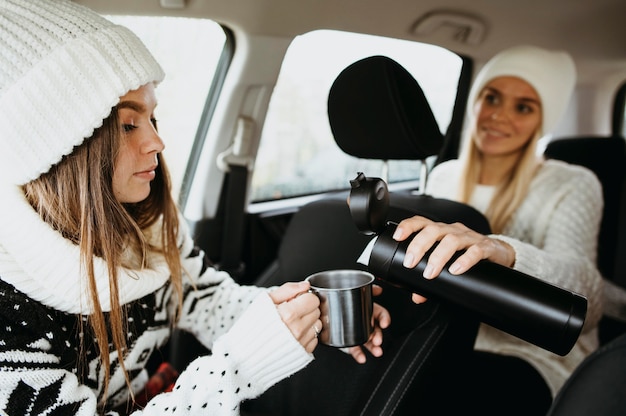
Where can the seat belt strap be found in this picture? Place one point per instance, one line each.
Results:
(235, 162)
(232, 236)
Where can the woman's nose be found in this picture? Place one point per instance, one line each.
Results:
(501, 114)
(153, 143)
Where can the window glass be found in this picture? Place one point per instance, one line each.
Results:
(189, 51)
(297, 154)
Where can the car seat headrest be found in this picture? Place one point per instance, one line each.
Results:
(377, 110)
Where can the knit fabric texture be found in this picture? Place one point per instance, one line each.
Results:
(62, 69)
(554, 233)
(42, 338)
(551, 73)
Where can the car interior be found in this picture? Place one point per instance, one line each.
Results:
(255, 85)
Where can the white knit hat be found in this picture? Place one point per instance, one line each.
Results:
(551, 73)
(62, 69)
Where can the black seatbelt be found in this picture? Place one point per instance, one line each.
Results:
(235, 162)
(232, 237)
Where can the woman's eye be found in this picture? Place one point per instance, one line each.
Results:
(154, 123)
(129, 127)
(491, 98)
(525, 109)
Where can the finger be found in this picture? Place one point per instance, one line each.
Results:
(306, 302)
(381, 319)
(301, 311)
(358, 354)
(376, 290)
(289, 291)
(441, 254)
(317, 328)
(421, 243)
(477, 247)
(452, 239)
(409, 226)
(468, 259)
(311, 344)
(375, 342)
(381, 316)
(416, 298)
(375, 350)
(303, 324)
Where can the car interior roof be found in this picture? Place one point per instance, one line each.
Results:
(585, 28)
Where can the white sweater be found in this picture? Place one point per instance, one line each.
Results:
(554, 234)
(42, 299)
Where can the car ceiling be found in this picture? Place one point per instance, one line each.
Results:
(594, 28)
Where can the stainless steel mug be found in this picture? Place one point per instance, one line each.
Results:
(345, 304)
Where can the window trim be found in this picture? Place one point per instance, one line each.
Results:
(206, 117)
(452, 136)
(619, 109)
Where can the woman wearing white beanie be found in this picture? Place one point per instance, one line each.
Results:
(544, 215)
(96, 265)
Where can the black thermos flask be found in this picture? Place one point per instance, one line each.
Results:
(529, 308)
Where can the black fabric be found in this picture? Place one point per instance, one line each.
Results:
(598, 386)
(403, 204)
(377, 110)
(334, 384)
(489, 384)
(322, 236)
(234, 221)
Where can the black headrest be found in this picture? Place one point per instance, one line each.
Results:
(377, 110)
(606, 157)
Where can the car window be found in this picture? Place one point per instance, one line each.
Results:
(297, 153)
(189, 51)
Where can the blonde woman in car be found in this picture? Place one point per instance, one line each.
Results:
(544, 215)
(96, 264)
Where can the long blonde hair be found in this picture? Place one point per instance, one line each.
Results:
(511, 191)
(76, 198)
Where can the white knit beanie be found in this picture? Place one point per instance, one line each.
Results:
(62, 69)
(551, 73)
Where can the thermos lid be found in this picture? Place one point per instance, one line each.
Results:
(369, 203)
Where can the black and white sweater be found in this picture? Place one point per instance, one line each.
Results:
(43, 307)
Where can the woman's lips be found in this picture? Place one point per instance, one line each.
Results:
(494, 132)
(147, 174)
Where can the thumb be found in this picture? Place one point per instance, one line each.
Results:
(288, 291)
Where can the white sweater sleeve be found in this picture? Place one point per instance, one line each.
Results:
(212, 300)
(555, 230)
(257, 352)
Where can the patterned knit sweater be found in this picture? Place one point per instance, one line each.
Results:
(43, 331)
(554, 233)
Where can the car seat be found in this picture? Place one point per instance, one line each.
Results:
(376, 110)
(597, 385)
(606, 157)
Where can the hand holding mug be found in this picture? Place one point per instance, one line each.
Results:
(348, 315)
(381, 319)
(300, 311)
